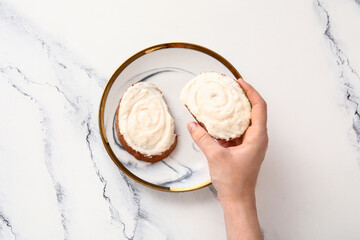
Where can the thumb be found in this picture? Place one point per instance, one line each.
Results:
(202, 138)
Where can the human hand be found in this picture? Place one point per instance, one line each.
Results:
(234, 166)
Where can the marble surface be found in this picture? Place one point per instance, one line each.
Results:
(56, 179)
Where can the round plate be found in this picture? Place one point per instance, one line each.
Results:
(169, 66)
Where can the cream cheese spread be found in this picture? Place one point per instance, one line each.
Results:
(218, 101)
(145, 121)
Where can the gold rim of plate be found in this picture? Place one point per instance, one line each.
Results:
(108, 86)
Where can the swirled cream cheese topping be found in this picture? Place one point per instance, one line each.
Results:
(218, 101)
(145, 121)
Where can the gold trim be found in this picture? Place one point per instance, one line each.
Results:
(104, 96)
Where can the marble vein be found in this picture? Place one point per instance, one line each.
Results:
(93, 74)
(47, 144)
(144, 76)
(141, 214)
(60, 200)
(113, 211)
(42, 84)
(347, 73)
(182, 172)
(213, 191)
(7, 223)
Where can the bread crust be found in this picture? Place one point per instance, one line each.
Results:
(136, 154)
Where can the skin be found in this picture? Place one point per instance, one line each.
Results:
(234, 168)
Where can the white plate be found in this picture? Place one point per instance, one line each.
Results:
(169, 66)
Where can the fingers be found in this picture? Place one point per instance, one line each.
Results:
(202, 138)
(259, 108)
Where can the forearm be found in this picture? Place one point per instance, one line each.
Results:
(241, 219)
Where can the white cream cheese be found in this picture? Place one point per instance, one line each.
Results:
(145, 121)
(219, 103)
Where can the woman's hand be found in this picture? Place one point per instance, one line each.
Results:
(234, 166)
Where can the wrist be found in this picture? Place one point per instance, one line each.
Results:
(235, 199)
(241, 218)
(245, 205)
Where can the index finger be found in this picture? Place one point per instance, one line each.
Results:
(259, 108)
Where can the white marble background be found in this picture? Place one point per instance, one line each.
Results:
(56, 180)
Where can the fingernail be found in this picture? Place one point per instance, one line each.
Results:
(191, 126)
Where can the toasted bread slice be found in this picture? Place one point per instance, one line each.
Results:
(144, 125)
